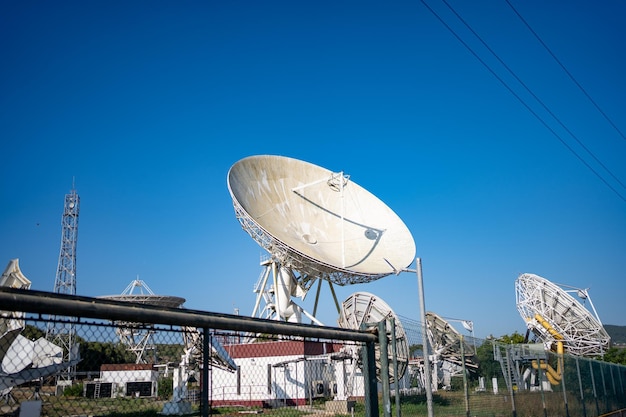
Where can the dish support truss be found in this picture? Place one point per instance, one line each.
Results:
(276, 287)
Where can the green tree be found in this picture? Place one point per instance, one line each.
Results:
(166, 387)
(169, 352)
(32, 333)
(488, 367)
(615, 355)
(514, 338)
(94, 354)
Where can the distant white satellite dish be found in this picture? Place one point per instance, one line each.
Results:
(365, 308)
(553, 316)
(316, 224)
(138, 337)
(445, 340)
(451, 352)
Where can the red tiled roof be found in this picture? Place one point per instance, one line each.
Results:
(281, 348)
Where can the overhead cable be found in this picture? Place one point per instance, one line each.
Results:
(566, 71)
(533, 94)
(542, 121)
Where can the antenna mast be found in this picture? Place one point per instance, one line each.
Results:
(61, 330)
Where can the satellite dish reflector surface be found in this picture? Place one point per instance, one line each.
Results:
(317, 221)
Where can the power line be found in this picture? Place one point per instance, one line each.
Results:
(566, 71)
(533, 94)
(543, 122)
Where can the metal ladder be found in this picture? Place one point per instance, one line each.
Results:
(510, 375)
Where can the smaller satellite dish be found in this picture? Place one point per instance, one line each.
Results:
(139, 292)
(446, 340)
(365, 308)
(138, 337)
(553, 316)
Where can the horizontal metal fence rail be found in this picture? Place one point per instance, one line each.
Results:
(41, 302)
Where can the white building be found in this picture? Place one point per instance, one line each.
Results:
(126, 379)
(286, 373)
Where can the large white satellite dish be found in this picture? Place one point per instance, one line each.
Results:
(316, 224)
(554, 316)
(365, 308)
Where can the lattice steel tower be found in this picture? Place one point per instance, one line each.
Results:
(61, 330)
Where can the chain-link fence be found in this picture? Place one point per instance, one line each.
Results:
(78, 356)
(478, 377)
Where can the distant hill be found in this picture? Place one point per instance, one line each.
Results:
(617, 333)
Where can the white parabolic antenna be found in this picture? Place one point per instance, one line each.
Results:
(446, 341)
(139, 292)
(553, 316)
(137, 337)
(316, 224)
(365, 308)
(449, 358)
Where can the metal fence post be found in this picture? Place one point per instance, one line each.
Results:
(369, 377)
(593, 384)
(394, 349)
(621, 382)
(384, 366)
(543, 394)
(427, 376)
(465, 387)
(580, 386)
(206, 352)
(510, 379)
(562, 362)
(605, 402)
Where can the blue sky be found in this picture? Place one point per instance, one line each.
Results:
(146, 106)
